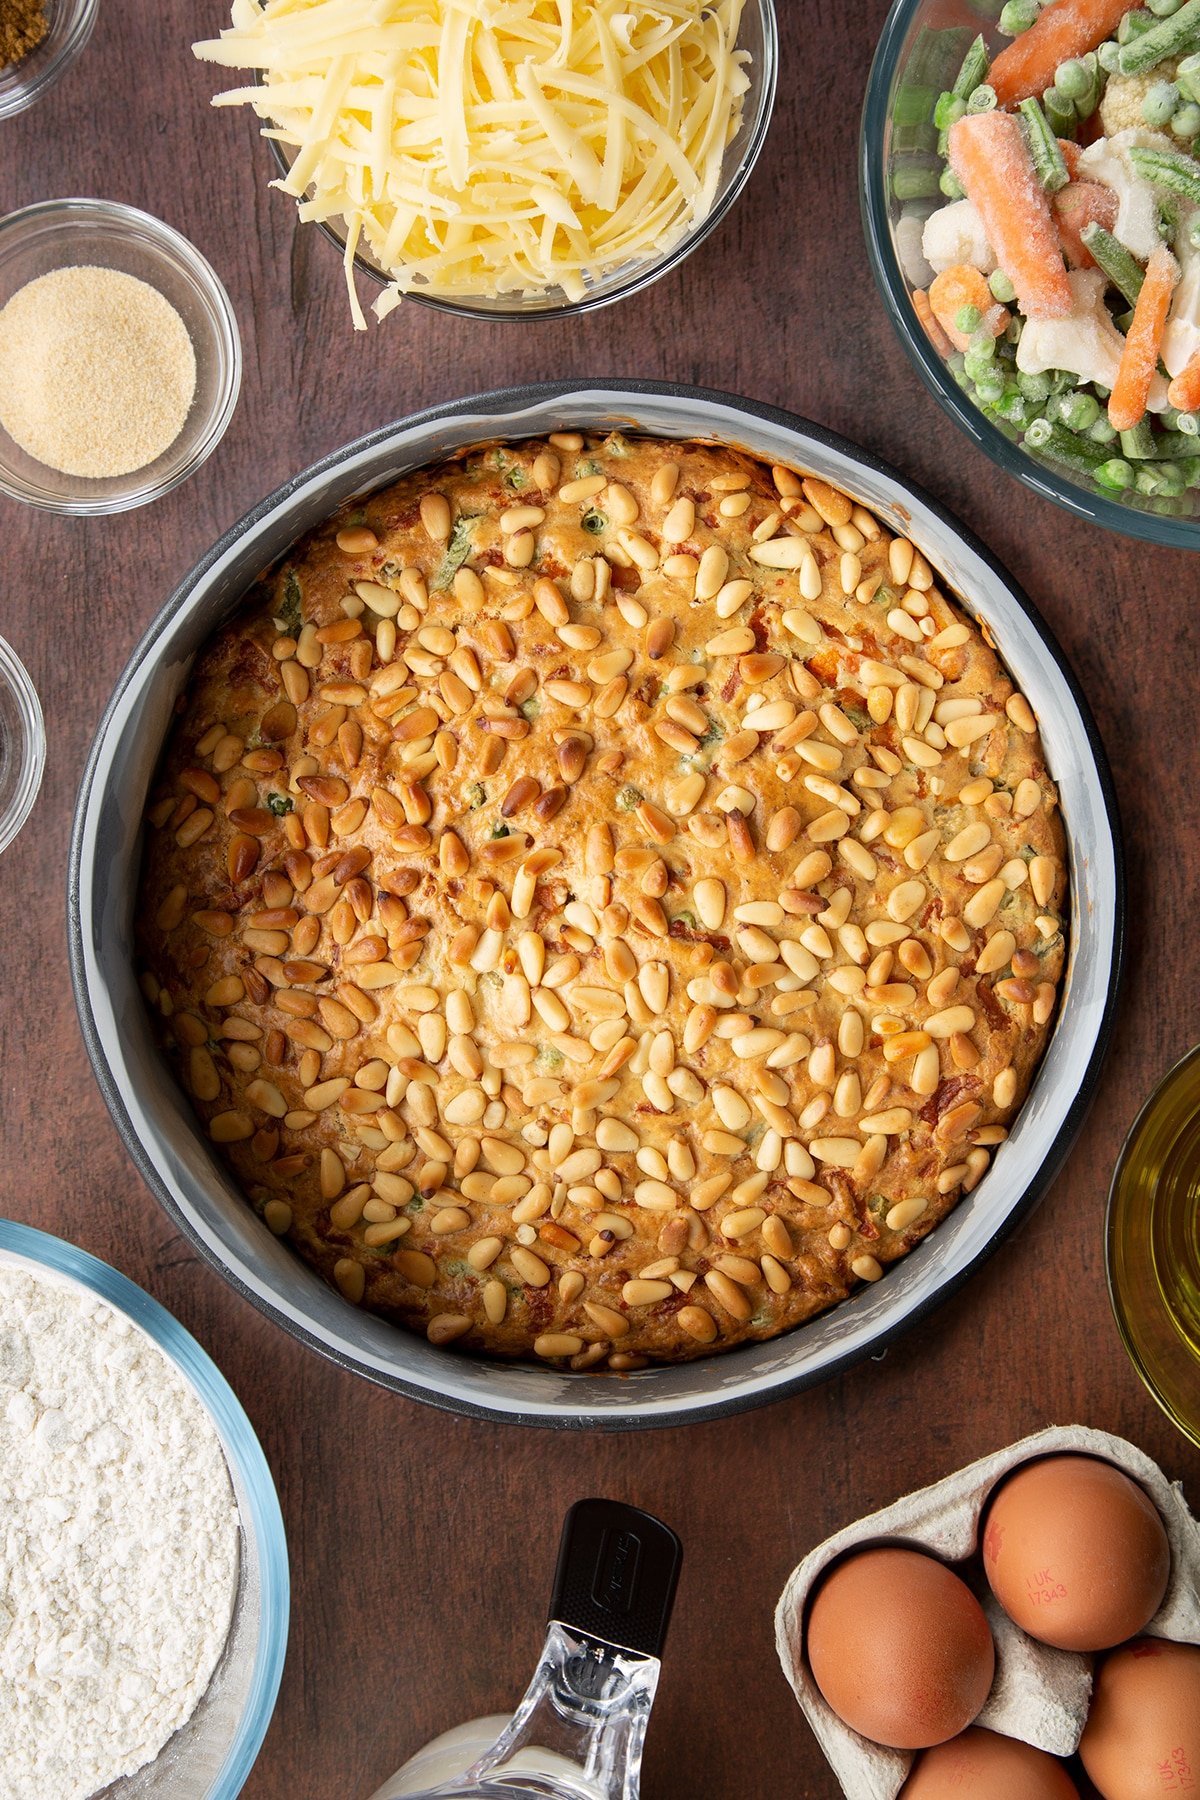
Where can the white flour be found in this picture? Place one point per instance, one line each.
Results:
(118, 1542)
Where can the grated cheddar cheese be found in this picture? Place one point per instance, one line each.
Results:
(494, 148)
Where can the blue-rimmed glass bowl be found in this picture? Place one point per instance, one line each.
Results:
(210, 1757)
(918, 55)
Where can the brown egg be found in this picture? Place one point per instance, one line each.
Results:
(986, 1766)
(1142, 1738)
(900, 1649)
(1076, 1553)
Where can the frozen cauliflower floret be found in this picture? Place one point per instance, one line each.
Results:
(955, 234)
(1181, 339)
(1137, 213)
(909, 230)
(1086, 342)
(1121, 107)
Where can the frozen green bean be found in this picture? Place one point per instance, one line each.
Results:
(1166, 37)
(1055, 441)
(1122, 269)
(974, 69)
(1168, 168)
(1048, 162)
(1138, 443)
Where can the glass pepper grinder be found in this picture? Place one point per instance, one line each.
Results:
(579, 1731)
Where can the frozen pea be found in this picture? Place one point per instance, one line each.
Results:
(1160, 103)
(1017, 16)
(1073, 79)
(1079, 412)
(1014, 407)
(948, 111)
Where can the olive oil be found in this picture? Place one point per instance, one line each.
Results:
(1154, 1244)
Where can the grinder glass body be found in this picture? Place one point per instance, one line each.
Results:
(579, 1730)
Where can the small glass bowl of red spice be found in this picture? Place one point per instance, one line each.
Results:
(39, 40)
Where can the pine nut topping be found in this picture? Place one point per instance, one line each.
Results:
(582, 913)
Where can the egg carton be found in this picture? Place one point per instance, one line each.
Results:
(1039, 1694)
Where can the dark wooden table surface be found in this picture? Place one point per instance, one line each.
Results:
(422, 1546)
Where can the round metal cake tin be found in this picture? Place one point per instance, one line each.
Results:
(155, 1118)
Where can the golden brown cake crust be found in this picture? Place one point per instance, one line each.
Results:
(603, 900)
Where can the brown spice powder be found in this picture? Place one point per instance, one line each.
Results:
(23, 25)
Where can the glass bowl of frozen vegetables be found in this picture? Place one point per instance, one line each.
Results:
(1031, 200)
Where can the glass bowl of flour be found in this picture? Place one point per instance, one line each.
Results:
(141, 1647)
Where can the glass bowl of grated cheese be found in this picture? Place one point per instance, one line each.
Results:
(528, 161)
(120, 361)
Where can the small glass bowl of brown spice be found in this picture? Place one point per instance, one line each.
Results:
(120, 360)
(39, 40)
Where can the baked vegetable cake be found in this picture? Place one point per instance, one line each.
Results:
(603, 900)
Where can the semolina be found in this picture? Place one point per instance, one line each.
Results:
(97, 371)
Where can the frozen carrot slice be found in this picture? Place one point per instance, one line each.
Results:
(1089, 130)
(1139, 359)
(1066, 28)
(990, 158)
(1071, 153)
(933, 330)
(959, 286)
(1082, 203)
(1184, 391)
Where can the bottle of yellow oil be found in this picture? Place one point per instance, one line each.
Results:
(1154, 1244)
